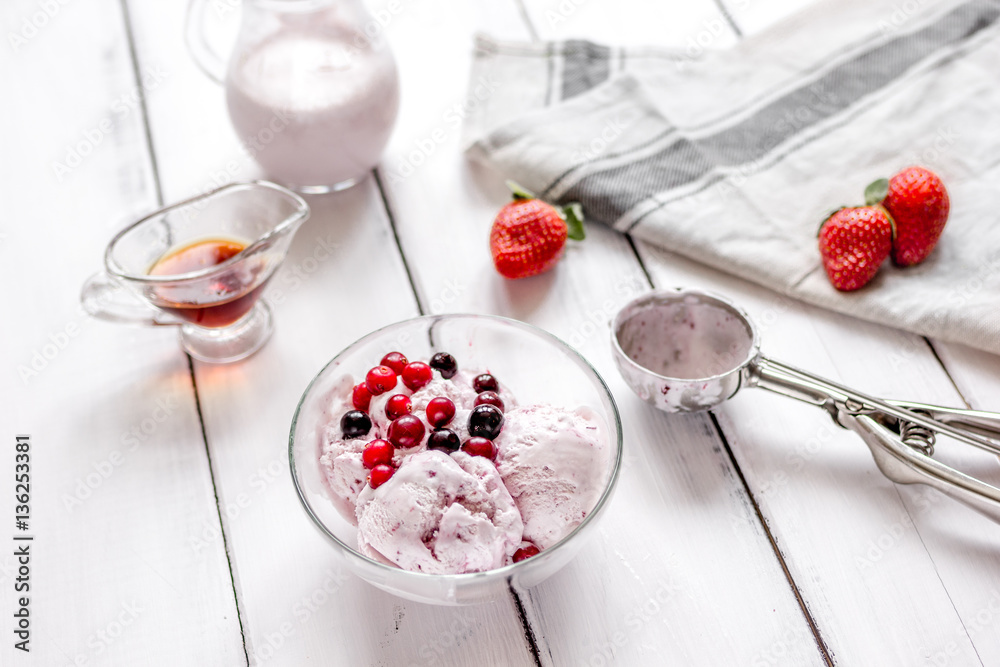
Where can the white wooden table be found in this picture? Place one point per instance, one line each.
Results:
(166, 528)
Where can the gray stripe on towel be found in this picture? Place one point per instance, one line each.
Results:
(611, 193)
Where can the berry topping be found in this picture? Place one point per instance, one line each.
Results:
(355, 424)
(361, 397)
(445, 364)
(397, 406)
(485, 382)
(440, 411)
(476, 446)
(406, 432)
(377, 452)
(444, 439)
(416, 375)
(527, 551)
(396, 361)
(379, 475)
(485, 421)
(380, 380)
(490, 398)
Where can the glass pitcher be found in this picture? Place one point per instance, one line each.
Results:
(311, 86)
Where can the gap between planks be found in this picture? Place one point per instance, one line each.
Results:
(158, 189)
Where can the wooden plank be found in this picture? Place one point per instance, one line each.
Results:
(299, 606)
(681, 551)
(119, 470)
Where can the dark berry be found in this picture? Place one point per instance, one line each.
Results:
(490, 398)
(416, 375)
(527, 551)
(445, 364)
(485, 421)
(396, 361)
(355, 424)
(485, 382)
(361, 397)
(379, 475)
(440, 411)
(377, 452)
(444, 439)
(397, 406)
(406, 432)
(380, 380)
(476, 446)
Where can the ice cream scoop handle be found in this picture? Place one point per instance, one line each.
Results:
(905, 465)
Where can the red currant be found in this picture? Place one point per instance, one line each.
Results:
(440, 411)
(379, 475)
(416, 375)
(396, 361)
(377, 452)
(380, 380)
(476, 446)
(397, 406)
(361, 397)
(406, 432)
(527, 551)
(490, 398)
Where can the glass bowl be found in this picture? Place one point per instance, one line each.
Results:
(535, 365)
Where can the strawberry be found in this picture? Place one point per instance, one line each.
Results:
(853, 243)
(918, 203)
(528, 235)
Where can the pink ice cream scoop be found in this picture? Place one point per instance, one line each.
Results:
(554, 462)
(440, 514)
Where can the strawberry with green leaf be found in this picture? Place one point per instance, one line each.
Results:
(528, 235)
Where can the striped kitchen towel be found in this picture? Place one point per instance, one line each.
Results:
(734, 157)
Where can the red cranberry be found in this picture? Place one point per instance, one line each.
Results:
(527, 551)
(396, 361)
(361, 397)
(485, 382)
(397, 406)
(440, 411)
(485, 421)
(379, 475)
(445, 365)
(444, 439)
(476, 446)
(377, 452)
(355, 424)
(490, 398)
(380, 380)
(416, 375)
(406, 432)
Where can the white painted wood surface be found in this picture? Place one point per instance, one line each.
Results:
(120, 474)
(733, 539)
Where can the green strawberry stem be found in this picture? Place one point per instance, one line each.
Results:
(572, 213)
(518, 191)
(876, 191)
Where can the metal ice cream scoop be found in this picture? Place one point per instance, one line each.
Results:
(687, 351)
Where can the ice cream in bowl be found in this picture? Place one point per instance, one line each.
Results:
(450, 457)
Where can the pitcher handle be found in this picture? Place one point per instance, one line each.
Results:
(105, 299)
(207, 59)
